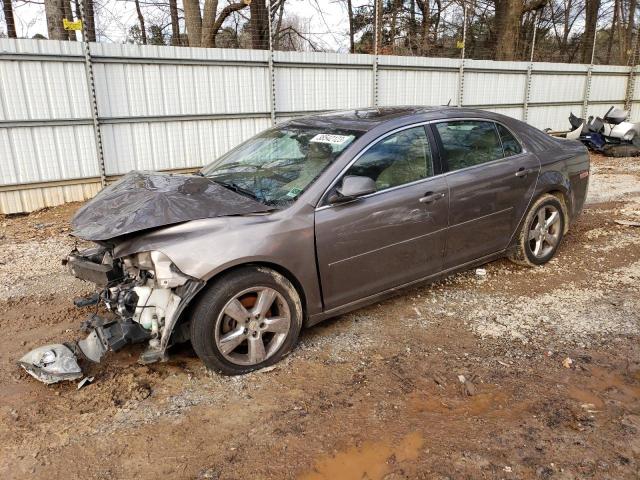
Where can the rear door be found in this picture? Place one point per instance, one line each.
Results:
(392, 236)
(491, 181)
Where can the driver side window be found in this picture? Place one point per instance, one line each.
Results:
(403, 157)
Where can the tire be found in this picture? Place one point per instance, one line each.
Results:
(234, 316)
(528, 250)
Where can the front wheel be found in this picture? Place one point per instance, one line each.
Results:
(248, 319)
(541, 232)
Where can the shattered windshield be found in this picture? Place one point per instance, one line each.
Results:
(276, 166)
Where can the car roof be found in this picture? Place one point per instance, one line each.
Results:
(368, 118)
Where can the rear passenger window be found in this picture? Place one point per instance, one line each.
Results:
(509, 143)
(469, 142)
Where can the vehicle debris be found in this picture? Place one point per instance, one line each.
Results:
(611, 135)
(627, 223)
(468, 389)
(85, 381)
(51, 364)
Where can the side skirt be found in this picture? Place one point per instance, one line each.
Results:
(349, 307)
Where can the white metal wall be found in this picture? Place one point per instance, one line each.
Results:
(169, 108)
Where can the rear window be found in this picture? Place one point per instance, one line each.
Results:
(469, 142)
(510, 145)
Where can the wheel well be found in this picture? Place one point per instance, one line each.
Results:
(562, 198)
(273, 266)
(186, 313)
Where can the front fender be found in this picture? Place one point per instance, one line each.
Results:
(203, 249)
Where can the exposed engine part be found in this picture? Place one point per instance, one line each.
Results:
(51, 364)
(94, 265)
(87, 301)
(145, 290)
(112, 335)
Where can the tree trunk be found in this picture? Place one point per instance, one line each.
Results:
(591, 19)
(175, 23)
(193, 20)
(620, 33)
(278, 26)
(614, 21)
(143, 29)
(436, 23)
(212, 25)
(54, 11)
(208, 19)
(89, 19)
(423, 6)
(68, 14)
(508, 16)
(352, 46)
(259, 25)
(7, 8)
(412, 31)
(628, 36)
(394, 20)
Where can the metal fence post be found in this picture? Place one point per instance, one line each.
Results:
(527, 92)
(91, 86)
(587, 85)
(464, 44)
(376, 40)
(272, 73)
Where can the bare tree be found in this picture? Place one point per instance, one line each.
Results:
(614, 22)
(259, 24)
(211, 24)
(352, 47)
(7, 8)
(202, 28)
(591, 23)
(175, 23)
(509, 15)
(627, 50)
(143, 30)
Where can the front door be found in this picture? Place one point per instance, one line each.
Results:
(491, 182)
(388, 238)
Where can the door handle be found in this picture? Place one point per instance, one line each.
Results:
(523, 172)
(431, 197)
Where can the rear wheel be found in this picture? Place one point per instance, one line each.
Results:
(541, 232)
(247, 320)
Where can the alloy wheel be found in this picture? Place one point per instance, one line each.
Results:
(544, 231)
(252, 326)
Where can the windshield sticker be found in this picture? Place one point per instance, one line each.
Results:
(332, 139)
(294, 192)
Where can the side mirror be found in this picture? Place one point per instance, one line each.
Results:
(353, 186)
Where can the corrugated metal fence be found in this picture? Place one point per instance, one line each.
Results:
(168, 108)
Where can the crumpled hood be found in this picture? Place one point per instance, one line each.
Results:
(144, 200)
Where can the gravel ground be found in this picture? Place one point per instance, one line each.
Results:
(520, 373)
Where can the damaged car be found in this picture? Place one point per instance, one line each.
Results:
(314, 218)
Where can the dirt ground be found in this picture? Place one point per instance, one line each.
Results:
(468, 378)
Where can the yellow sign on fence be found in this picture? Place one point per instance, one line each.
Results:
(72, 25)
(460, 44)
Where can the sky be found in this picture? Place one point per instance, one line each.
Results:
(325, 21)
